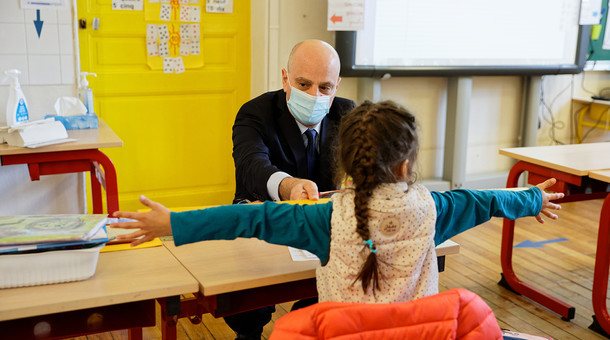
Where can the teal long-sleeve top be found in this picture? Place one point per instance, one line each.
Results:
(308, 226)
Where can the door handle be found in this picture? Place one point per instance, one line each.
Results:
(95, 25)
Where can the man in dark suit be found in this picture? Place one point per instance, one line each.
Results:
(269, 148)
(282, 144)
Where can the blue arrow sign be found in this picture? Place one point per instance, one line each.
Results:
(38, 23)
(539, 244)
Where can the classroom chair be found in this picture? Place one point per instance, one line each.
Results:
(453, 314)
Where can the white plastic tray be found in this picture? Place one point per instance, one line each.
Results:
(48, 267)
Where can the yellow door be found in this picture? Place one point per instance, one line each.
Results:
(176, 127)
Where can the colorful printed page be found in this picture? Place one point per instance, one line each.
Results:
(33, 229)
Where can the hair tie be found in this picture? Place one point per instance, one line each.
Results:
(369, 242)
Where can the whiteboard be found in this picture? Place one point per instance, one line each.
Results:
(476, 37)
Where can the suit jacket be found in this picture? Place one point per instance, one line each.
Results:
(267, 139)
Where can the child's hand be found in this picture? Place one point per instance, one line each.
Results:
(152, 224)
(546, 198)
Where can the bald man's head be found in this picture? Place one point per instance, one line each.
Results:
(313, 68)
(316, 53)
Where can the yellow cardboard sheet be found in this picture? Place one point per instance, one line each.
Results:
(125, 246)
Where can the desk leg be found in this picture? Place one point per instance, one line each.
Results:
(96, 191)
(170, 311)
(601, 319)
(134, 334)
(509, 278)
(64, 162)
(107, 179)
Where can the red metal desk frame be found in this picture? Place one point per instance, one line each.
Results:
(231, 303)
(63, 162)
(221, 305)
(79, 156)
(537, 174)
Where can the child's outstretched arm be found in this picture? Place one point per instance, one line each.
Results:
(151, 224)
(546, 200)
(460, 210)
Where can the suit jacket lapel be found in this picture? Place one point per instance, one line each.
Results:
(292, 134)
(326, 155)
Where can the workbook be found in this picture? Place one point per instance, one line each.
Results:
(41, 229)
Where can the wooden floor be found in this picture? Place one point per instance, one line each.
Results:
(564, 269)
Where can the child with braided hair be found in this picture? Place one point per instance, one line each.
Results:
(375, 239)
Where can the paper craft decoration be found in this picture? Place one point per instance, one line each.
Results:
(163, 32)
(195, 47)
(195, 32)
(195, 13)
(168, 65)
(185, 32)
(179, 65)
(185, 13)
(166, 12)
(152, 48)
(151, 32)
(185, 48)
(178, 38)
(163, 49)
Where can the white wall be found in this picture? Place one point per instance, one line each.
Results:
(495, 109)
(48, 65)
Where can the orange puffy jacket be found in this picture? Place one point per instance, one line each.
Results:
(453, 314)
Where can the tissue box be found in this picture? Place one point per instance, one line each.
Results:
(76, 122)
(48, 267)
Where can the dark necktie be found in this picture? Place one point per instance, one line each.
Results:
(311, 152)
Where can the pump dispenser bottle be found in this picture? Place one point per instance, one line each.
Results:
(16, 107)
(85, 92)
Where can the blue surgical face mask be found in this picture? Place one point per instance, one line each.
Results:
(308, 109)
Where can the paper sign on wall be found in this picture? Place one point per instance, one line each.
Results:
(590, 12)
(219, 6)
(173, 35)
(38, 4)
(345, 15)
(128, 5)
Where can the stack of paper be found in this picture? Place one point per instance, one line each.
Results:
(44, 249)
(45, 232)
(35, 134)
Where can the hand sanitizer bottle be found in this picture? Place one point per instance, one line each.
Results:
(16, 107)
(85, 92)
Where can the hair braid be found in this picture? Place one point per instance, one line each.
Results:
(363, 175)
(374, 139)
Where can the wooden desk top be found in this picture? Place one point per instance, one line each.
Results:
(575, 159)
(228, 266)
(120, 277)
(102, 137)
(602, 175)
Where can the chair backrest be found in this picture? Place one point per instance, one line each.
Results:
(453, 314)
